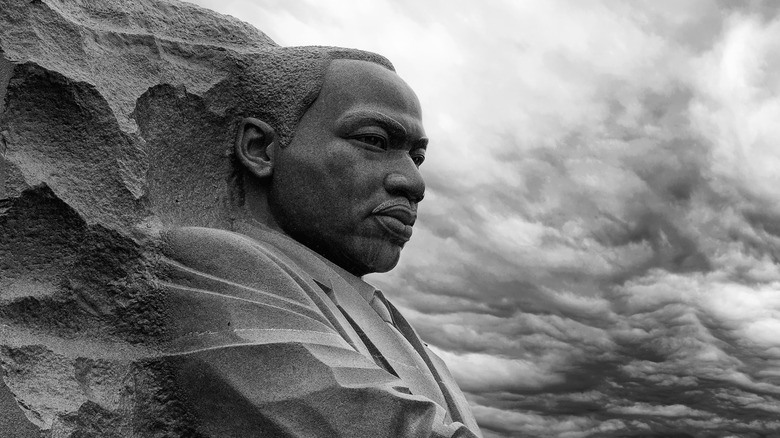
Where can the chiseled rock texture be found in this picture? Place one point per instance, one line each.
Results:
(102, 103)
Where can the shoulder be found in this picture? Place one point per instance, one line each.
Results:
(231, 256)
(205, 247)
(208, 243)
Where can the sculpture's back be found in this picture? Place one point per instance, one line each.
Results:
(92, 98)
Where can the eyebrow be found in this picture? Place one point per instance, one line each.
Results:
(367, 117)
(359, 118)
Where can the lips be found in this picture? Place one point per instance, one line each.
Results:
(396, 216)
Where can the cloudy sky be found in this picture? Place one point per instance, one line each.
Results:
(597, 254)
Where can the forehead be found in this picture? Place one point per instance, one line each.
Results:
(352, 86)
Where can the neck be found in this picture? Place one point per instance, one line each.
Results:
(256, 207)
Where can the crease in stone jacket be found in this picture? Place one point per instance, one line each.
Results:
(293, 345)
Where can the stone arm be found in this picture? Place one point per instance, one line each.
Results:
(256, 349)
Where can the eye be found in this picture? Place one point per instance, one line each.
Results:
(417, 157)
(372, 140)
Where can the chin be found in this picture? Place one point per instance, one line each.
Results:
(370, 257)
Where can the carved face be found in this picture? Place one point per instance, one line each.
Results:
(348, 184)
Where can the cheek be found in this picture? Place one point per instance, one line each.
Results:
(321, 181)
(340, 163)
(349, 164)
(347, 183)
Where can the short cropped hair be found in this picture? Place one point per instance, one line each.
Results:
(279, 85)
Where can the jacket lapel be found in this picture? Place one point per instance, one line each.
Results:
(456, 401)
(397, 349)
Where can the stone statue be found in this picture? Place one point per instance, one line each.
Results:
(183, 230)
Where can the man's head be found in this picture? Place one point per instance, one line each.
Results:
(346, 183)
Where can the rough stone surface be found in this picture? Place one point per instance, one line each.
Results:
(85, 65)
(84, 171)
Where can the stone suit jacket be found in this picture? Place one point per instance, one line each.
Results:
(267, 338)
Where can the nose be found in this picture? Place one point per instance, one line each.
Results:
(406, 181)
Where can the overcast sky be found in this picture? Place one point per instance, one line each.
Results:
(597, 253)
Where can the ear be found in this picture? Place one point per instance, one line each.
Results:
(255, 146)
